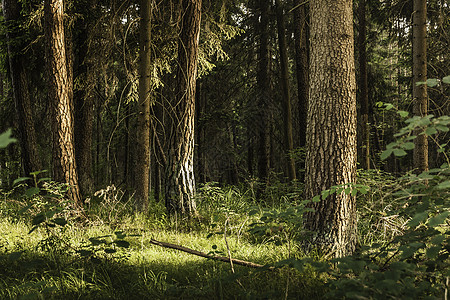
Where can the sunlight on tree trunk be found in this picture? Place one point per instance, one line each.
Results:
(63, 155)
(331, 130)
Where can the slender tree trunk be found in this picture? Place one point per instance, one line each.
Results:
(83, 97)
(142, 180)
(420, 98)
(180, 184)
(264, 93)
(363, 86)
(63, 154)
(301, 62)
(331, 131)
(20, 86)
(287, 108)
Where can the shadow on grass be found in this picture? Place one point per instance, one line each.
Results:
(34, 275)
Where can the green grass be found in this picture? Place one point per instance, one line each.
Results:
(50, 268)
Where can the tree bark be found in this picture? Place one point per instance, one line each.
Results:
(142, 179)
(331, 130)
(20, 85)
(180, 184)
(263, 83)
(83, 96)
(363, 87)
(286, 102)
(63, 155)
(420, 98)
(301, 62)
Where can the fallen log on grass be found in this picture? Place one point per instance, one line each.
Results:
(202, 254)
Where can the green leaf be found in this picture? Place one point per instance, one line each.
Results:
(408, 146)
(38, 219)
(433, 252)
(446, 79)
(430, 130)
(32, 191)
(60, 221)
(403, 113)
(110, 251)
(44, 179)
(439, 219)
(386, 153)
(399, 152)
(5, 138)
(120, 234)
(35, 173)
(443, 128)
(443, 185)
(420, 83)
(21, 179)
(418, 218)
(325, 194)
(316, 198)
(389, 106)
(432, 82)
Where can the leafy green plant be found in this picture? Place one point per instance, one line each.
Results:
(6, 139)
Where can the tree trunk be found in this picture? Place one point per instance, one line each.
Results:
(63, 154)
(420, 98)
(180, 184)
(331, 130)
(286, 102)
(20, 86)
(263, 82)
(142, 179)
(363, 87)
(83, 98)
(301, 62)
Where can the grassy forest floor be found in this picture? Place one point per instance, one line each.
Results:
(82, 261)
(48, 252)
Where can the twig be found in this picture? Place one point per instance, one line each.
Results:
(202, 254)
(226, 243)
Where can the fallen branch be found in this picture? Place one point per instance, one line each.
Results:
(202, 254)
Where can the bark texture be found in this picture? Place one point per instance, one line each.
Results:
(180, 184)
(286, 102)
(83, 73)
(420, 98)
(263, 83)
(331, 130)
(20, 87)
(63, 154)
(363, 87)
(142, 180)
(301, 62)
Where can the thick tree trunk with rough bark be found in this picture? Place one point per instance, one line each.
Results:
(142, 180)
(180, 183)
(286, 102)
(420, 98)
(20, 86)
(63, 154)
(301, 62)
(331, 130)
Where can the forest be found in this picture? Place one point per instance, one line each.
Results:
(224, 149)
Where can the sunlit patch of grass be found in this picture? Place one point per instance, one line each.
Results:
(142, 271)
